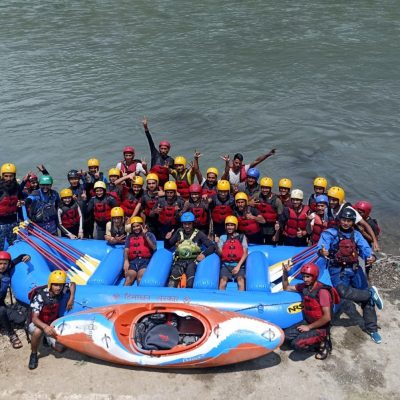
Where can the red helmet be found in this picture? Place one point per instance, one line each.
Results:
(195, 188)
(165, 143)
(5, 255)
(129, 149)
(33, 177)
(365, 206)
(310, 269)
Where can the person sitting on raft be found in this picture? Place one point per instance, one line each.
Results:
(115, 229)
(6, 268)
(233, 250)
(312, 333)
(161, 162)
(70, 219)
(45, 308)
(188, 253)
(139, 247)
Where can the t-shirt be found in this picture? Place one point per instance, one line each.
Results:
(37, 302)
(234, 178)
(139, 168)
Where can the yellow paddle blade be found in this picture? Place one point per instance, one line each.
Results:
(278, 265)
(84, 267)
(76, 279)
(82, 276)
(94, 261)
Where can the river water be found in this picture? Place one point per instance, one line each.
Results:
(318, 80)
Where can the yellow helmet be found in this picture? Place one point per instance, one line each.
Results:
(180, 160)
(223, 185)
(137, 180)
(267, 182)
(285, 183)
(321, 182)
(170, 185)
(136, 220)
(66, 193)
(152, 176)
(57, 277)
(231, 219)
(8, 168)
(100, 184)
(117, 212)
(212, 170)
(114, 172)
(93, 162)
(337, 193)
(241, 196)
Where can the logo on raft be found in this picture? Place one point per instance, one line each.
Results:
(295, 308)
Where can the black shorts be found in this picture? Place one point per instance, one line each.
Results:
(226, 271)
(139, 263)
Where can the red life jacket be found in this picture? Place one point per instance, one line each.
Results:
(318, 227)
(183, 185)
(296, 221)
(101, 210)
(70, 215)
(209, 191)
(167, 215)
(312, 307)
(267, 209)
(128, 169)
(232, 250)
(129, 202)
(162, 172)
(138, 247)
(149, 203)
(221, 211)
(243, 173)
(249, 227)
(51, 304)
(201, 215)
(346, 252)
(114, 191)
(8, 204)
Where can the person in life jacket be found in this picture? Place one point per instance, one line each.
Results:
(189, 244)
(10, 199)
(92, 176)
(209, 183)
(342, 246)
(129, 164)
(285, 186)
(6, 269)
(168, 210)
(112, 188)
(221, 205)
(250, 186)
(139, 247)
(293, 221)
(29, 183)
(45, 307)
(317, 220)
(337, 204)
(131, 197)
(313, 332)
(70, 218)
(233, 250)
(116, 228)
(249, 218)
(270, 207)
(199, 207)
(149, 199)
(100, 207)
(236, 171)
(320, 186)
(42, 205)
(161, 162)
(364, 208)
(183, 176)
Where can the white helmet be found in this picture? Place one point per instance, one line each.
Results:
(297, 194)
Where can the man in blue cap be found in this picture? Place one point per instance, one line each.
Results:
(191, 246)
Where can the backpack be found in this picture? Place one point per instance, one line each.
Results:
(17, 314)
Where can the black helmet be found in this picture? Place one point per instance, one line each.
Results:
(348, 213)
(73, 174)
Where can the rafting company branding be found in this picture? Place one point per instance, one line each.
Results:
(295, 308)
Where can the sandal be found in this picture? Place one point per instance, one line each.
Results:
(323, 352)
(15, 342)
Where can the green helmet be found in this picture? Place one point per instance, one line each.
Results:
(45, 180)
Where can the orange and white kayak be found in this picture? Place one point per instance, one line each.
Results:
(167, 335)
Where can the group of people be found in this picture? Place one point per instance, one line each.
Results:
(136, 205)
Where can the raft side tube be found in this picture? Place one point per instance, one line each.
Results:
(110, 267)
(257, 273)
(207, 273)
(157, 272)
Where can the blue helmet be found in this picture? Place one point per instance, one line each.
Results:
(253, 173)
(188, 217)
(322, 198)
